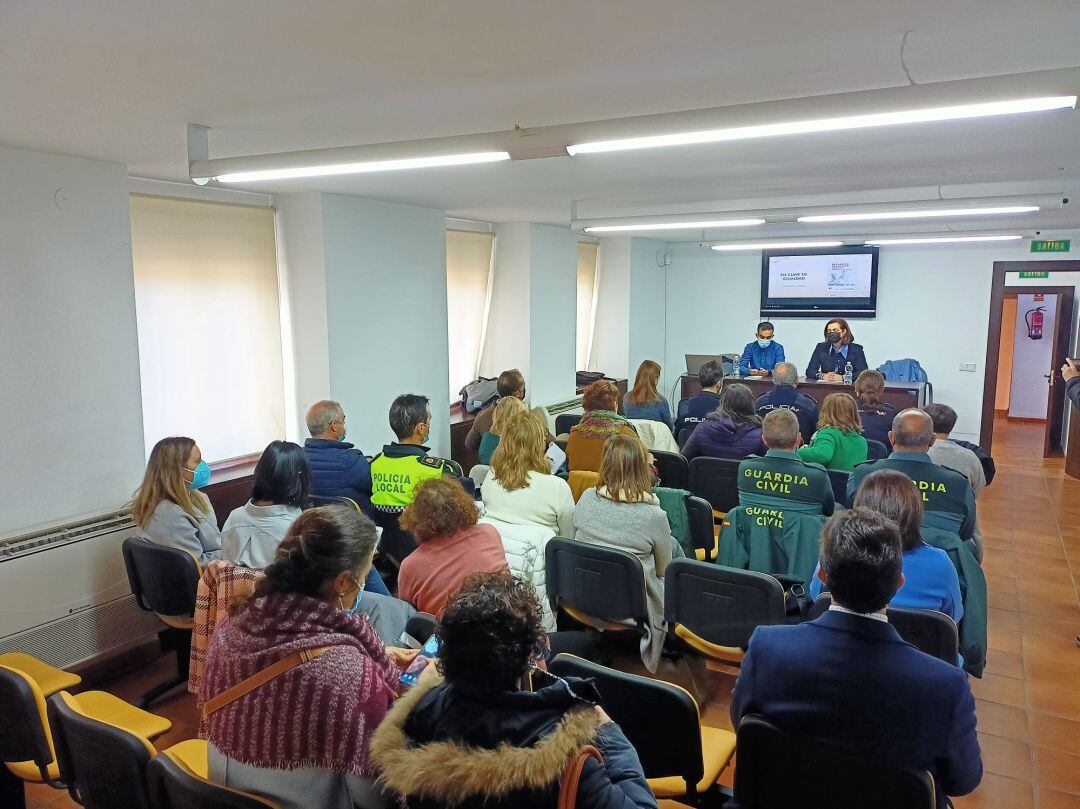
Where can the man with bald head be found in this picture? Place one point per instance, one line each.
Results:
(948, 502)
(338, 469)
(784, 396)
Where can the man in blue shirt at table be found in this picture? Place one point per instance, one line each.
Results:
(761, 356)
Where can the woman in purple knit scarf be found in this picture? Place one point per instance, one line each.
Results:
(301, 739)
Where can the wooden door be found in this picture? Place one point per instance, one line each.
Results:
(1055, 402)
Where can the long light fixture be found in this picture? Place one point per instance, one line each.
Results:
(838, 124)
(716, 223)
(365, 167)
(773, 245)
(944, 240)
(932, 213)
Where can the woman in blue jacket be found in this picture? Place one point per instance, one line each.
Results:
(733, 431)
(831, 357)
(644, 401)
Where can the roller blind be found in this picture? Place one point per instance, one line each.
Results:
(586, 283)
(206, 296)
(468, 260)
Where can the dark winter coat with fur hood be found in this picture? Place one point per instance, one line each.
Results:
(447, 745)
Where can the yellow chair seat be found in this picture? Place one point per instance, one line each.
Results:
(699, 553)
(193, 754)
(48, 678)
(717, 748)
(28, 771)
(114, 711)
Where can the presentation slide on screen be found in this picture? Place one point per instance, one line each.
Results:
(845, 275)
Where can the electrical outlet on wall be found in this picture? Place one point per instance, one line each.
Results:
(967, 366)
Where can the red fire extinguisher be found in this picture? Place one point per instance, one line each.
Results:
(1034, 320)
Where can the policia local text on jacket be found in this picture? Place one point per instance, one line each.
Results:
(399, 469)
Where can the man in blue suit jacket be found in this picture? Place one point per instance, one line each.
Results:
(847, 680)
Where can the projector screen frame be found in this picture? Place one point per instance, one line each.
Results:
(842, 310)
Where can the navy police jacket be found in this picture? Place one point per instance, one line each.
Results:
(785, 397)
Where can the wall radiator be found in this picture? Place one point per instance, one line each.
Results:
(550, 411)
(64, 594)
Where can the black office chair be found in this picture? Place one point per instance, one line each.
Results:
(324, 500)
(395, 543)
(595, 582)
(839, 480)
(716, 480)
(702, 528)
(673, 469)
(777, 771)
(684, 435)
(876, 451)
(164, 581)
(564, 422)
(421, 627)
(173, 785)
(928, 631)
(681, 759)
(24, 741)
(714, 609)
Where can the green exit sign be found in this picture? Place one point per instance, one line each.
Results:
(1050, 245)
(1034, 274)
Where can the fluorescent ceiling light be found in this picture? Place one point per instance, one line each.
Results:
(944, 240)
(933, 213)
(720, 223)
(932, 114)
(363, 168)
(773, 245)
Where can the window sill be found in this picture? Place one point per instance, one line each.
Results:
(233, 468)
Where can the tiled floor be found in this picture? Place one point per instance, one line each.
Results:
(1028, 703)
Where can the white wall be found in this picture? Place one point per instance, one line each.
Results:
(1031, 358)
(70, 402)
(933, 306)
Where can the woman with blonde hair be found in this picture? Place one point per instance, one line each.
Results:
(622, 512)
(506, 409)
(599, 422)
(168, 506)
(838, 442)
(644, 401)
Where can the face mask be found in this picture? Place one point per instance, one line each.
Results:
(356, 604)
(834, 337)
(200, 476)
(764, 342)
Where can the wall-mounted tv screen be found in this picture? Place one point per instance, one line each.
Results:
(840, 281)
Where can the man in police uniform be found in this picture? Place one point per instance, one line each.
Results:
(948, 502)
(784, 397)
(781, 480)
(693, 410)
(405, 463)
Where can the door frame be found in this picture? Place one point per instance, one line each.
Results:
(993, 337)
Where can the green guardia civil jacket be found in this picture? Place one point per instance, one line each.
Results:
(768, 540)
(972, 627)
(673, 502)
(782, 480)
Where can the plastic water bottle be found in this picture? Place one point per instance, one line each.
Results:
(848, 373)
(738, 371)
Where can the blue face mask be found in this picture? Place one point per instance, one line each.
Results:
(764, 343)
(356, 604)
(200, 476)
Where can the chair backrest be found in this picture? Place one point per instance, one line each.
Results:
(479, 474)
(601, 582)
(720, 605)
(564, 422)
(684, 435)
(328, 500)
(673, 469)
(876, 451)
(24, 731)
(174, 786)
(103, 766)
(702, 526)
(421, 626)
(395, 542)
(777, 771)
(163, 580)
(716, 480)
(659, 719)
(839, 480)
(928, 631)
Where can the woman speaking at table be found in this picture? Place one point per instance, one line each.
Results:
(831, 357)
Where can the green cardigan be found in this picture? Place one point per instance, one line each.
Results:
(835, 450)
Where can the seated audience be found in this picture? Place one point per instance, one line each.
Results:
(849, 681)
(314, 721)
(948, 453)
(948, 502)
(838, 442)
(520, 488)
(338, 469)
(782, 480)
(251, 534)
(761, 357)
(784, 396)
(733, 431)
(622, 512)
(510, 383)
(930, 578)
(495, 732)
(167, 506)
(504, 411)
(644, 401)
(442, 517)
(693, 410)
(876, 415)
(599, 422)
(404, 464)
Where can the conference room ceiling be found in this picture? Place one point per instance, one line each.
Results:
(119, 80)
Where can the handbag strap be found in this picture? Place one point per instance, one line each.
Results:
(262, 677)
(572, 775)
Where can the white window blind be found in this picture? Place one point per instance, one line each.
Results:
(586, 283)
(206, 299)
(468, 261)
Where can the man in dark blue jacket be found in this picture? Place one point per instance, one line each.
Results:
(338, 469)
(849, 681)
(784, 397)
(693, 410)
